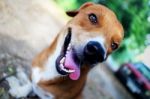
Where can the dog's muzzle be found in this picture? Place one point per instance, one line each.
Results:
(94, 52)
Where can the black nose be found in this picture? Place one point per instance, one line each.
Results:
(94, 52)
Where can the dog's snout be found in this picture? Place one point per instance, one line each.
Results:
(94, 52)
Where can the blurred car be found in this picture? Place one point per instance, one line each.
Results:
(136, 78)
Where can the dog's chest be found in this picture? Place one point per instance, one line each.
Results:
(42, 75)
(45, 73)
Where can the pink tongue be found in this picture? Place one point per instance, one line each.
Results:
(70, 63)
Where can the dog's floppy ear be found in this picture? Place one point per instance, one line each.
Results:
(72, 13)
(75, 12)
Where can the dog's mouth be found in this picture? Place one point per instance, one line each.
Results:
(67, 62)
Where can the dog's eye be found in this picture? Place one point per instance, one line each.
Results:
(114, 46)
(93, 18)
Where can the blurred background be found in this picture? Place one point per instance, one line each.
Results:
(125, 74)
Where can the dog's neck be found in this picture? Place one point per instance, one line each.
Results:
(62, 84)
(44, 64)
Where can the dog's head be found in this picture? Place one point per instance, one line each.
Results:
(92, 34)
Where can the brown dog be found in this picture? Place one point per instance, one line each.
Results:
(60, 70)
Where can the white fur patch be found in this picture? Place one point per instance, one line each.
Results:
(47, 74)
(37, 74)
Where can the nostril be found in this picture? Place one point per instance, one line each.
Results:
(91, 48)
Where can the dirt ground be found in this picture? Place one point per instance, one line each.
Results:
(24, 30)
(102, 84)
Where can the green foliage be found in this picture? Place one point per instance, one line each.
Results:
(133, 15)
(67, 5)
(71, 4)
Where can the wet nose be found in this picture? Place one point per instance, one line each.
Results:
(94, 52)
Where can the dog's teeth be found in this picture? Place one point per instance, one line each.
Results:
(67, 52)
(66, 70)
(71, 71)
(62, 60)
(69, 47)
(62, 66)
